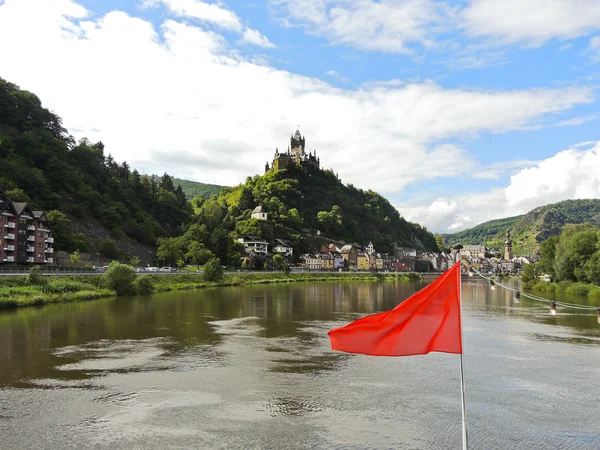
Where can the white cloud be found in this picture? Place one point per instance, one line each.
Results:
(576, 121)
(385, 25)
(594, 49)
(531, 22)
(177, 98)
(570, 174)
(401, 26)
(206, 12)
(336, 75)
(254, 37)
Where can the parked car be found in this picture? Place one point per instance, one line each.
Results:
(140, 269)
(167, 269)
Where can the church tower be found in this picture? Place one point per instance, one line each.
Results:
(508, 247)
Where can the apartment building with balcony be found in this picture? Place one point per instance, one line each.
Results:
(25, 234)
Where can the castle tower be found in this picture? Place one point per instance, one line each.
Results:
(297, 143)
(508, 247)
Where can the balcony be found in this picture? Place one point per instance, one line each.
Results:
(9, 248)
(9, 236)
(30, 259)
(31, 238)
(49, 250)
(10, 225)
(50, 260)
(9, 259)
(30, 227)
(30, 249)
(50, 240)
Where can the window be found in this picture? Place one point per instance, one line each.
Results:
(40, 233)
(39, 255)
(23, 221)
(40, 245)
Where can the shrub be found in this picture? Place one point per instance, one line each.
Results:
(579, 289)
(119, 277)
(213, 271)
(144, 285)
(594, 292)
(35, 277)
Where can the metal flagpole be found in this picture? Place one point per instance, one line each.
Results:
(465, 442)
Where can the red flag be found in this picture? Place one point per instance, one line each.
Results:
(427, 321)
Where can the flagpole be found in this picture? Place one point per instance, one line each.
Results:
(465, 442)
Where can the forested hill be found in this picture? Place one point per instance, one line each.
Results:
(42, 164)
(530, 229)
(298, 200)
(193, 189)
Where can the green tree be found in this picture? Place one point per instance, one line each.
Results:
(75, 257)
(109, 249)
(119, 277)
(143, 285)
(35, 276)
(213, 270)
(548, 255)
(278, 262)
(576, 244)
(439, 240)
(169, 250)
(528, 273)
(135, 261)
(198, 254)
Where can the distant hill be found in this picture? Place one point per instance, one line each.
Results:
(531, 229)
(196, 189)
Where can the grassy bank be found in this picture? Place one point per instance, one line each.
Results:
(17, 291)
(564, 287)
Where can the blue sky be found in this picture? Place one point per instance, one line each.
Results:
(458, 112)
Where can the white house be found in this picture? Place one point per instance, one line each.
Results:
(260, 212)
(283, 247)
(310, 262)
(253, 244)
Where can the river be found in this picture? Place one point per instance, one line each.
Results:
(251, 367)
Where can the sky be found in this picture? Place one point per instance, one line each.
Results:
(458, 111)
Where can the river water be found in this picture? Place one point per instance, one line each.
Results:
(251, 367)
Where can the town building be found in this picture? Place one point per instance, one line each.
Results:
(473, 251)
(350, 255)
(260, 212)
(338, 260)
(310, 262)
(26, 236)
(295, 155)
(283, 247)
(254, 245)
(362, 261)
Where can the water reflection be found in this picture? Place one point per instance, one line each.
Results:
(251, 367)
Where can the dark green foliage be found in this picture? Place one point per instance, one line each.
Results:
(193, 189)
(119, 277)
(35, 277)
(530, 230)
(213, 271)
(109, 249)
(144, 284)
(316, 200)
(529, 273)
(42, 164)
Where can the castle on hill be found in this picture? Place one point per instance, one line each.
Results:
(296, 155)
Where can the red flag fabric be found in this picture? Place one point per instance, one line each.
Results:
(427, 321)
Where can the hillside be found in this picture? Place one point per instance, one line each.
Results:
(301, 202)
(193, 189)
(530, 229)
(43, 165)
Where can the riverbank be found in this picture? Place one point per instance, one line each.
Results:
(564, 287)
(17, 292)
